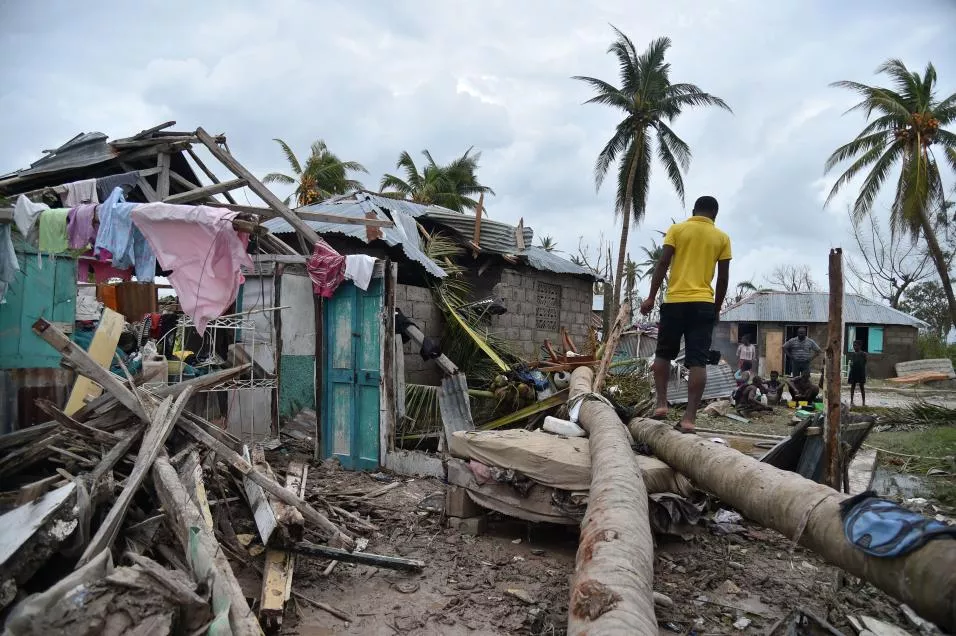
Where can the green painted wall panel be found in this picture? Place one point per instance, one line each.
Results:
(296, 385)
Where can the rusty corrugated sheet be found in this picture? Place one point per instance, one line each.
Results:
(720, 384)
(19, 389)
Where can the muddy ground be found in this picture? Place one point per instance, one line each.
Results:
(513, 579)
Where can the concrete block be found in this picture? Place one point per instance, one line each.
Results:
(469, 525)
(459, 504)
(526, 335)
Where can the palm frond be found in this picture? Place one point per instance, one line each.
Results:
(616, 145)
(278, 177)
(874, 180)
(671, 166)
(677, 146)
(861, 144)
(290, 156)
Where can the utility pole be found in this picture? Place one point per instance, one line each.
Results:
(834, 351)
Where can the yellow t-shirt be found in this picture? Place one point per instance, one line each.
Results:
(698, 245)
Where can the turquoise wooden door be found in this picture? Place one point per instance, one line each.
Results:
(352, 376)
(47, 291)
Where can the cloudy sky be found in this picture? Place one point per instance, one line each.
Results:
(376, 78)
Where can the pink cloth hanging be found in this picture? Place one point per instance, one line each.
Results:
(204, 252)
(326, 269)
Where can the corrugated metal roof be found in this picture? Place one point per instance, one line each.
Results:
(814, 307)
(720, 384)
(86, 149)
(357, 207)
(495, 237)
(542, 259)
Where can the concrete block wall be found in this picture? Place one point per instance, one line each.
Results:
(417, 305)
(516, 289)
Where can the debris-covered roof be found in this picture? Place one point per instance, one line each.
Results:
(814, 307)
(495, 237)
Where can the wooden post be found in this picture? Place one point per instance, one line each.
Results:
(162, 181)
(834, 351)
(476, 239)
(610, 345)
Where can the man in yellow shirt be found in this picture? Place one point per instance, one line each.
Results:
(692, 251)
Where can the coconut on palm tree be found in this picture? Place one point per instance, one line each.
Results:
(906, 124)
(454, 186)
(650, 103)
(324, 174)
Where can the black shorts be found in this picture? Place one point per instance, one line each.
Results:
(694, 322)
(856, 377)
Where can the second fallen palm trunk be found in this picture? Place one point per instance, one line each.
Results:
(612, 587)
(808, 512)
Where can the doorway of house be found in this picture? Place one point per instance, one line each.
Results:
(790, 331)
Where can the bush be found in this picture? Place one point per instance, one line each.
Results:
(932, 346)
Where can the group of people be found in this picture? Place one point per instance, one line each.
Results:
(693, 251)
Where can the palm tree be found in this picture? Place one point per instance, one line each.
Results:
(650, 103)
(547, 243)
(646, 267)
(906, 122)
(453, 186)
(631, 275)
(323, 176)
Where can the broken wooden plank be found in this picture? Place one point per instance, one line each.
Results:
(364, 558)
(236, 461)
(87, 366)
(610, 346)
(69, 423)
(190, 473)
(35, 490)
(204, 555)
(22, 524)
(280, 564)
(162, 181)
(102, 348)
(204, 192)
(164, 419)
(116, 453)
(262, 512)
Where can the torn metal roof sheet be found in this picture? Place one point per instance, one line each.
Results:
(814, 307)
(540, 258)
(720, 385)
(494, 236)
(86, 149)
(358, 208)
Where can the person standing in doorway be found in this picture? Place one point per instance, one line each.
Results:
(801, 351)
(857, 375)
(692, 251)
(746, 352)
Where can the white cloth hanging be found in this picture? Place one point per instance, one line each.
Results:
(26, 213)
(358, 269)
(80, 192)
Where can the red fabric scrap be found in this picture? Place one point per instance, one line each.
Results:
(326, 269)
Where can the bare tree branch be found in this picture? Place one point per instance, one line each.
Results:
(792, 278)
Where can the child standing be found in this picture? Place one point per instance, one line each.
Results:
(857, 376)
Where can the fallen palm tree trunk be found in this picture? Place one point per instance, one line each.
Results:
(809, 513)
(612, 587)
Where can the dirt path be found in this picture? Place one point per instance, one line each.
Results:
(464, 588)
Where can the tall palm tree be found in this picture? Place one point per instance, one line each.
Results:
(323, 176)
(631, 276)
(650, 103)
(454, 186)
(906, 124)
(547, 243)
(652, 254)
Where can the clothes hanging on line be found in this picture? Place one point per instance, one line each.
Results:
(26, 213)
(204, 252)
(359, 268)
(326, 268)
(79, 228)
(52, 238)
(9, 266)
(127, 181)
(80, 192)
(121, 241)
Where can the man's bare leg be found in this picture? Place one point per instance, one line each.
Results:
(662, 373)
(852, 387)
(695, 390)
(863, 394)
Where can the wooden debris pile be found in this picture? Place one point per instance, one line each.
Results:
(108, 524)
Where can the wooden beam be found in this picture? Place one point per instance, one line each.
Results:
(206, 559)
(610, 345)
(69, 423)
(102, 349)
(322, 217)
(236, 461)
(204, 192)
(190, 474)
(116, 453)
(519, 234)
(834, 351)
(363, 558)
(164, 418)
(128, 144)
(162, 181)
(442, 361)
(258, 187)
(280, 564)
(262, 512)
(183, 181)
(87, 366)
(209, 173)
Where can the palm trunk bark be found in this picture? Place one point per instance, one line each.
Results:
(942, 267)
(809, 513)
(612, 587)
(626, 214)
